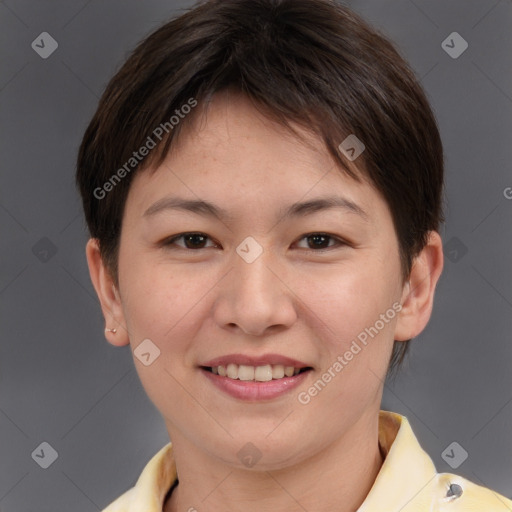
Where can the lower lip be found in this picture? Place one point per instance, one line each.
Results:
(254, 391)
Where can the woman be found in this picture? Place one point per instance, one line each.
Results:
(262, 183)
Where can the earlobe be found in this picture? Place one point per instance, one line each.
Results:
(115, 330)
(418, 292)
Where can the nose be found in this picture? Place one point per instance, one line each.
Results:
(255, 297)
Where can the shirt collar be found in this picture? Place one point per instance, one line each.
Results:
(406, 472)
(394, 487)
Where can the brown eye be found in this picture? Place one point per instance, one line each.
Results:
(191, 240)
(319, 241)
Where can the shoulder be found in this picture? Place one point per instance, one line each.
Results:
(149, 491)
(409, 482)
(453, 493)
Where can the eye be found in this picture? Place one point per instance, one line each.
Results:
(191, 240)
(196, 240)
(319, 241)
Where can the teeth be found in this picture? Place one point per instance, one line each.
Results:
(278, 371)
(263, 373)
(256, 373)
(245, 372)
(232, 371)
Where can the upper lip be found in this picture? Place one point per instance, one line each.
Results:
(255, 361)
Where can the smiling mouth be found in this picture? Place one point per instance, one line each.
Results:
(262, 373)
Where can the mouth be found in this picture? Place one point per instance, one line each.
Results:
(262, 373)
(255, 379)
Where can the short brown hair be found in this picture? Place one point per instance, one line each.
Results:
(310, 62)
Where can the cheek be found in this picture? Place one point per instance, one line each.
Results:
(160, 303)
(355, 345)
(163, 306)
(344, 301)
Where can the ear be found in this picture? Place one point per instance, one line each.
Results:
(418, 293)
(108, 295)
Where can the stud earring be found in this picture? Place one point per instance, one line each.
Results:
(110, 330)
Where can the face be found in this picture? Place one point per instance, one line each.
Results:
(258, 283)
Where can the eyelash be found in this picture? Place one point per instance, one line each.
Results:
(339, 242)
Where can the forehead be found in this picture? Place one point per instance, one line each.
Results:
(232, 127)
(236, 153)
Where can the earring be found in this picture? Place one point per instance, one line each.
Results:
(110, 330)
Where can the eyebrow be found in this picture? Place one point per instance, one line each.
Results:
(299, 209)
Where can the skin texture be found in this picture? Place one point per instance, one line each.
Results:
(197, 304)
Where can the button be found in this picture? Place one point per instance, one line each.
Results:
(455, 491)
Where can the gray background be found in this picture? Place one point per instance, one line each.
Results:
(62, 383)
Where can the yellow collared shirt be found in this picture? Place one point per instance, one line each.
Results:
(407, 480)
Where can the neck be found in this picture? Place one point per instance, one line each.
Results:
(337, 478)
